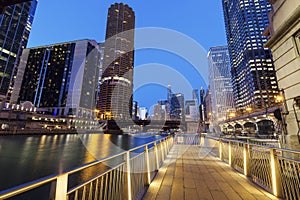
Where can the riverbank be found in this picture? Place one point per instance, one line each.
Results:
(45, 131)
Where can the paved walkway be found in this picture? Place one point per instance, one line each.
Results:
(191, 173)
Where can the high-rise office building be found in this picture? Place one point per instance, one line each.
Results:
(195, 94)
(169, 93)
(177, 107)
(117, 79)
(253, 75)
(134, 110)
(191, 110)
(143, 113)
(101, 49)
(208, 111)
(220, 83)
(202, 105)
(15, 26)
(60, 79)
(166, 107)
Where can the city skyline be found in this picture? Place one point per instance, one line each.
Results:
(206, 28)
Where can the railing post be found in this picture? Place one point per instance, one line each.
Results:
(275, 175)
(162, 150)
(147, 165)
(230, 153)
(220, 149)
(165, 148)
(61, 187)
(156, 156)
(246, 159)
(128, 175)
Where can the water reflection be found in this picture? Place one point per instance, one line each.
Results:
(27, 158)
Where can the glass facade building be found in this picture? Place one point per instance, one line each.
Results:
(15, 26)
(117, 78)
(220, 83)
(253, 75)
(177, 107)
(61, 78)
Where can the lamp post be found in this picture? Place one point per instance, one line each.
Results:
(280, 113)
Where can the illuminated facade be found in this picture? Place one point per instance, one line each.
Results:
(285, 44)
(117, 79)
(253, 75)
(15, 26)
(61, 79)
(220, 83)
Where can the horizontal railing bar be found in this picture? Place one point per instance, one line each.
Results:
(90, 164)
(27, 186)
(288, 159)
(72, 171)
(93, 179)
(132, 158)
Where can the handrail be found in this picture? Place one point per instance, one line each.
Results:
(275, 169)
(55, 177)
(26, 186)
(259, 145)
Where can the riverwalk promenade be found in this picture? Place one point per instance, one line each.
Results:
(191, 172)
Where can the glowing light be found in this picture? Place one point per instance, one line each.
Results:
(279, 99)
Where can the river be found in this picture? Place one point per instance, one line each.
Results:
(26, 158)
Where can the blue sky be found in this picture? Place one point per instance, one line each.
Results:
(202, 21)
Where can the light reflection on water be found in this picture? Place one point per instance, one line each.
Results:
(27, 158)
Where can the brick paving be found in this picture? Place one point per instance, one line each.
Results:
(190, 172)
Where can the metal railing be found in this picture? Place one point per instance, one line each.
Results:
(127, 179)
(276, 170)
(187, 139)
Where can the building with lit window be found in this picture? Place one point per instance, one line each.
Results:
(195, 94)
(177, 107)
(202, 105)
(220, 84)
(208, 111)
(253, 75)
(60, 79)
(15, 26)
(117, 78)
(101, 49)
(284, 42)
(191, 110)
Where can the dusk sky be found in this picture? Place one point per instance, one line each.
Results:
(201, 21)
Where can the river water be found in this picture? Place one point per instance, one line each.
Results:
(27, 158)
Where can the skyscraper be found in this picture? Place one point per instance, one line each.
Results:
(177, 107)
(220, 83)
(101, 49)
(60, 79)
(15, 26)
(169, 93)
(253, 75)
(196, 96)
(202, 105)
(117, 78)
